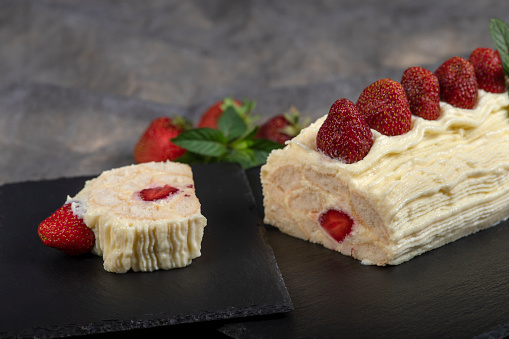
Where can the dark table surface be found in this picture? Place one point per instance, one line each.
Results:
(80, 80)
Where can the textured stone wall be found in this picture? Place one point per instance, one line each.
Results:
(80, 80)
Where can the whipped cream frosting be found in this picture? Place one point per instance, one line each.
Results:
(142, 235)
(442, 180)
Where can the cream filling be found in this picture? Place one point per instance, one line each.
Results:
(441, 180)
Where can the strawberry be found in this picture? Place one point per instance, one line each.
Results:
(344, 135)
(385, 107)
(458, 84)
(336, 223)
(488, 69)
(281, 127)
(155, 143)
(422, 91)
(157, 193)
(213, 113)
(66, 232)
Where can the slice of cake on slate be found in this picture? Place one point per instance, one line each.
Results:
(144, 217)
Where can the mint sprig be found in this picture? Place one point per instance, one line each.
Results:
(203, 141)
(234, 141)
(231, 124)
(500, 35)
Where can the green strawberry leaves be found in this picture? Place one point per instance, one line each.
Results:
(500, 35)
(243, 111)
(234, 141)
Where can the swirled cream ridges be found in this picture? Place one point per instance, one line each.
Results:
(442, 180)
(134, 234)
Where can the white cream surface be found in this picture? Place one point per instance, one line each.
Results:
(138, 235)
(440, 181)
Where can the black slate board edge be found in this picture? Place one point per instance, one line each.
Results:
(287, 306)
(35, 181)
(202, 319)
(500, 332)
(252, 176)
(240, 330)
(150, 321)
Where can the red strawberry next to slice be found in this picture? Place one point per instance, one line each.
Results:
(66, 232)
(210, 117)
(282, 127)
(157, 193)
(337, 224)
(385, 107)
(155, 143)
(344, 135)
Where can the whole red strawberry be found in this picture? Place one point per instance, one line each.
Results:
(488, 69)
(337, 224)
(281, 127)
(422, 91)
(155, 143)
(344, 135)
(384, 106)
(213, 113)
(458, 84)
(66, 232)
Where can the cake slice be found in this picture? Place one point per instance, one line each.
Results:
(440, 181)
(145, 217)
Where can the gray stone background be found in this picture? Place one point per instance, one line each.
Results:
(80, 80)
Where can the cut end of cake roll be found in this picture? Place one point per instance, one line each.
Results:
(145, 217)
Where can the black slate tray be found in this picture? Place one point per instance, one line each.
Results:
(460, 290)
(46, 293)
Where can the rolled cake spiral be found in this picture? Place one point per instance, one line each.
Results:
(145, 217)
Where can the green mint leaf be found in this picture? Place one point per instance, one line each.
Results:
(500, 34)
(234, 141)
(245, 158)
(246, 109)
(204, 141)
(261, 149)
(265, 145)
(243, 109)
(231, 124)
(251, 134)
(246, 140)
(260, 157)
(192, 158)
(251, 151)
